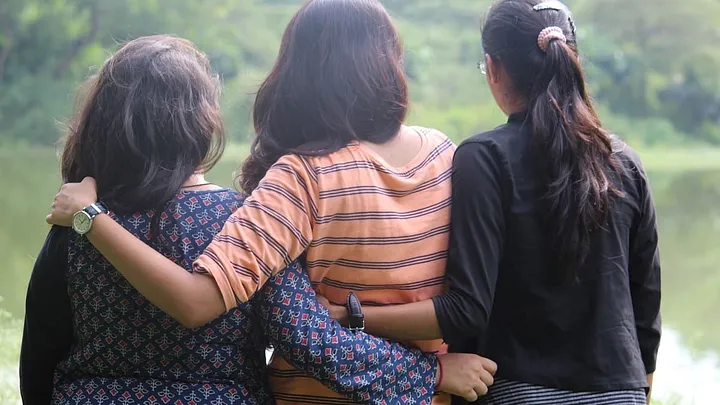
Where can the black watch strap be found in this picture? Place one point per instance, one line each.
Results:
(356, 319)
(96, 209)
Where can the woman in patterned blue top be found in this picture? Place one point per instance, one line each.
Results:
(149, 127)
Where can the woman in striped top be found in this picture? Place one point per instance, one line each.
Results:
(553, 267)
(336, 180)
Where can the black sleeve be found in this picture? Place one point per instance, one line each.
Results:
(645, 276)
(476, 242)
(48, 333)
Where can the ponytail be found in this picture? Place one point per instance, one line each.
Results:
(535, 44)
(577, 155)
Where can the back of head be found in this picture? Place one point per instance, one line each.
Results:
(534, 43)
(338, 78)
(149, 120)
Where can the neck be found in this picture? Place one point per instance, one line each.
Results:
(195, 180)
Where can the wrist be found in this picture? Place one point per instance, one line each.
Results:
(82, 220)
(82, 204)
(355, 316)
(439, 374)
(340, 314)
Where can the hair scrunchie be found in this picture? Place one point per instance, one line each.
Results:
(548, 35)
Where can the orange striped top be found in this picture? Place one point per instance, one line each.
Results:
(379, 231)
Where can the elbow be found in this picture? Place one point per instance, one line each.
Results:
(460, 317)
(196, 310)
(192, 318)
(472, 326)
(191, 322)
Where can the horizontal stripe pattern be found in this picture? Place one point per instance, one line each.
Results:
(379, 231)
(505, 392)
(344, 192)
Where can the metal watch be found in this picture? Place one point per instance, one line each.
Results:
(83, 219)
(356, 319)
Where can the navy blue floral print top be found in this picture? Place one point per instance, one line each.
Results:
(121, 334)
(91, 338)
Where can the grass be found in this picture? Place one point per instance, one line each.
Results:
(10, 333)
(680, 159)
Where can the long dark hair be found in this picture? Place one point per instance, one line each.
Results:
(338, 78)
(149, 119)
(578, 152)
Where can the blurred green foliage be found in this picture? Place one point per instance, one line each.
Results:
(652, 64)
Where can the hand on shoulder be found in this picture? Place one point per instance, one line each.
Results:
(71, 198)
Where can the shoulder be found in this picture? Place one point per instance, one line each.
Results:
(56, 244)
(490, 145)
(499, 136)
(297, 166)
(206, 197)
(627, 156)
(435, 137)
(631, 168)
(205, 206)
(483, 157)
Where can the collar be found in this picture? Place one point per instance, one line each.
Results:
(519, 117)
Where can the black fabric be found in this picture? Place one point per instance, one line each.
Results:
(48, 333)
(600, 333)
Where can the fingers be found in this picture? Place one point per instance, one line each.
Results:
(480, 390)
(48, 218)
(487, 379)
(471, 396)
(489, 365)
(89, 181)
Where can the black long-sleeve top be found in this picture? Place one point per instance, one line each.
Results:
(601, 332)
(48, 332)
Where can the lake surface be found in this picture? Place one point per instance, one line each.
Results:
(688, 206)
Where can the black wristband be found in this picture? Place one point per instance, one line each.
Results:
(356, 319)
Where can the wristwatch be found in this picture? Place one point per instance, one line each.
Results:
(83, 219)
(356, 319)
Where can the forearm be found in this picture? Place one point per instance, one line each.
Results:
(650, 383)
(359, 366)
(192, 299)
(414, 321)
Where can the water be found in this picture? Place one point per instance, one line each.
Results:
(689, 218)
(684, 376)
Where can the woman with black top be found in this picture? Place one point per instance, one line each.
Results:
(554, 269)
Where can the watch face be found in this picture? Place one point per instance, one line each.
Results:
(81, 222)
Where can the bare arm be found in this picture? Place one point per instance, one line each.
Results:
(415, 321)
(192, 299)
(477, 223)
(261, 238)
(318, 345)
(649, 393)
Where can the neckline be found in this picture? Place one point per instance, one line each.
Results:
(519, 116)
(419, 156)
(215, 190)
